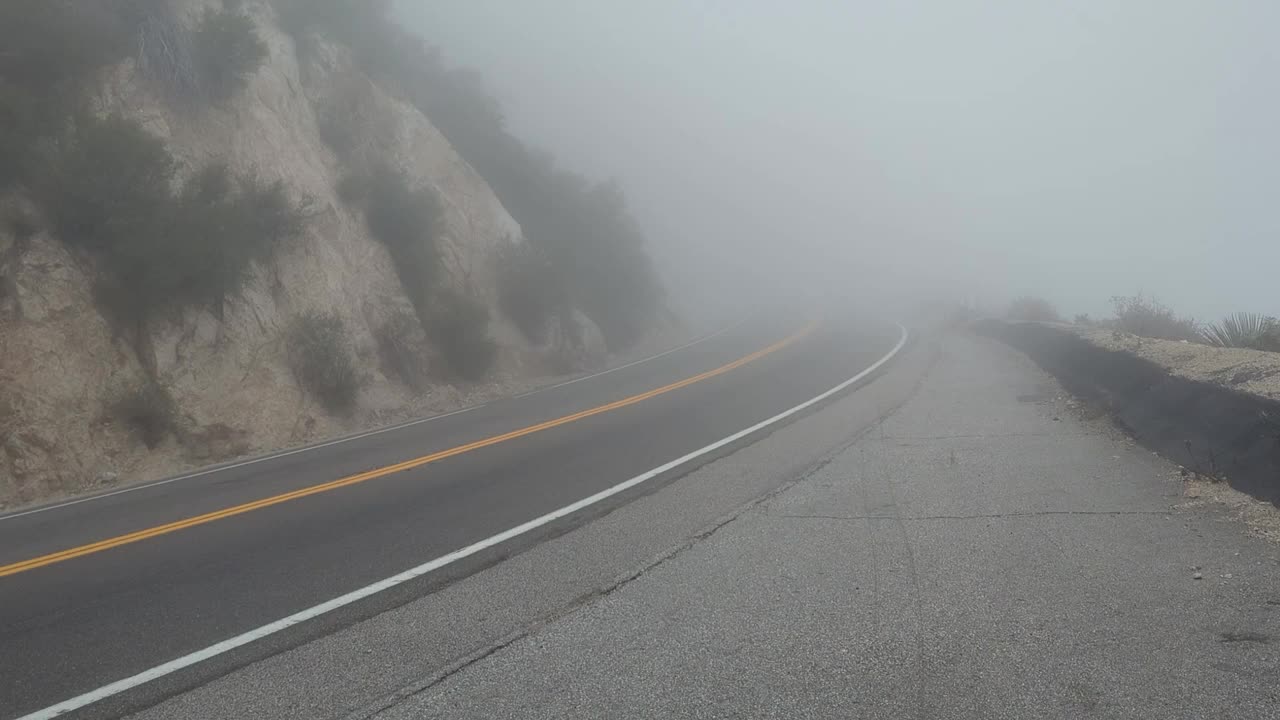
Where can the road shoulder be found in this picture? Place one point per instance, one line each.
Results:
(984, 552)
(374, 663)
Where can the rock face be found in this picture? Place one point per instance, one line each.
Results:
(61, 365)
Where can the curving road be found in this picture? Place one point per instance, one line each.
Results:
(189, 578)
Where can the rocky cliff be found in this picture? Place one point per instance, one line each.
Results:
(227, 370)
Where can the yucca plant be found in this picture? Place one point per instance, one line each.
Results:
(1244, 330)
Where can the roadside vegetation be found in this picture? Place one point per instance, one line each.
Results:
(1246, 330)
(1147, 317)
(1029, 308)
(227, 52)
(402, 351)
(407, 220)
(108, 191)
(528, 291)
(582, 230)
(147, 410)
(105, 184)
(323, 361)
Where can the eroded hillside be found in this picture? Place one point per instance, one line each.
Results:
(329, 261)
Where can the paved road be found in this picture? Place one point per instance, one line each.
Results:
(94, 592)
(985, 552)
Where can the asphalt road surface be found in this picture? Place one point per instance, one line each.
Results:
(987, 551)
(96, 592)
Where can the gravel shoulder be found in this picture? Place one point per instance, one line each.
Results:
(1242, 369)
(984, 552)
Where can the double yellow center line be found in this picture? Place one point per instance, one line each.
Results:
(158, 530)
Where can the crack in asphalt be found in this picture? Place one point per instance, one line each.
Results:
(371, 711)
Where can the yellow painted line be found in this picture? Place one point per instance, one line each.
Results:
(133, 537)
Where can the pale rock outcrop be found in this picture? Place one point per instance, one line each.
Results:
(61, 363)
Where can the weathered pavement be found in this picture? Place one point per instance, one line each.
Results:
(982, 553)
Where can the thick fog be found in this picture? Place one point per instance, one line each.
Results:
(978, 149)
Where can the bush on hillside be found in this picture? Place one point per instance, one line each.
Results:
(1030, 308)
(1147, 317)
(52, 47)
(107, 186)
(459, 327)
(148, 410)
(401, 351)
(228, 52)
(407, 221)
(1245, 330)
(529, 293)
(109, 192)
(584, 230)
(52, 53)
(323, 362)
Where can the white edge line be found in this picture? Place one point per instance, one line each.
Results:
(356, 436)
(230, 644)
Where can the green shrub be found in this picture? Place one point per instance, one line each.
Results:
(148, 410)
(54, 46)
(1029, 308)
(401, 352)
(1245, 330)
(323, 362)
(529, 293)
(228, 52)
(109, 191)
(108, 184)
(220, 226)
(585, 230)
(1147, 317)
(407, 221)
(397, 214)
(50, 51)
(459, 327)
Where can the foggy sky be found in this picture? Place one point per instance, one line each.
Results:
(1075, 150)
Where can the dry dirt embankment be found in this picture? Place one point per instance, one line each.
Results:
(1215, 411)
(228, 369)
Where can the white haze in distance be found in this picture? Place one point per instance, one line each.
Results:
(979, 149)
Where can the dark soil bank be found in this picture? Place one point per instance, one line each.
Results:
(1208, 429)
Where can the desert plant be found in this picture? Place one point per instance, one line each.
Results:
(109, 192)
(323, 362)
(1147, 317)
(529, 293)
(584, 229)
(148, 410)
(348, 117)
(407, 222)
(1030, 308)
(401, 350)
(1245, 330)
(107, 184)
(52, 46)
(459, 327)
(227, 52)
